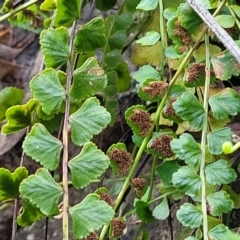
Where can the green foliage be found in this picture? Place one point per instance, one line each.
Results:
(10, 182)
(54, 45)
(186, 148)
(216, 175)
(41, 190)
(85, 223)
(161, 211)
(88, 80)
(225, 65)
(9, 97)
(152, 90)
(19, 117)
(219, 107)
(85, 124)
(166, 170)
(146, 5)
(217, 138)
(189, 109)
(77, 95)
(219, 203)
(146, 72)
(189, 215)
(219, 232)
(90, 36)
(150, 38)
(47, 89)
(30, 214)
(48, 5)
(88, 165)
(31, 18)
(104, 6)
(43, 147)
(190, 185)
(225, 21)
(143, 212)
(67, 12)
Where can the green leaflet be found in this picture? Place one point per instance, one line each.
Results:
(41, 190)
(47, 89)
(186, 148)
(118, 40)
(88, 165)
(146, 72)
(43, 147)
(215, 174)
(48, 5)
(143, 211)
(189, 109)
(29, 215)
(83, 222)
(147, 5)
(189, 18)
(219, 232)
(122, 22)
(19, 117)
(161, 211)
(89, 120)
(67, 12)
(152, 90)
(189, 215)
(10, 182)
(225, 65)
(225, 103)
(90, 36)
(225, 21)
(54, 45)
(138, 119)
(217, 138)
(187, 181)
(124, 79)
(88, 80)
(9, 97)
(166, 170)
(149, 39)
(219, 203)
(105, 5)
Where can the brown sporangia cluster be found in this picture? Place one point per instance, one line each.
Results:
(162, 145)
(122, 158)
(232, 31)
(195, 70)
(184, 35)
(92, 236)
(169, 111)
(138, 185)
(118, 226)
(155, 88)
(106, 197)
(142, 119)
(36, 20)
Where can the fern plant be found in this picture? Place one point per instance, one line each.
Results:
(179, 62)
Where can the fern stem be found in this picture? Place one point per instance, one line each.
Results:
(18, 9)
(65, 137)
(203, 141)
(163, 38)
